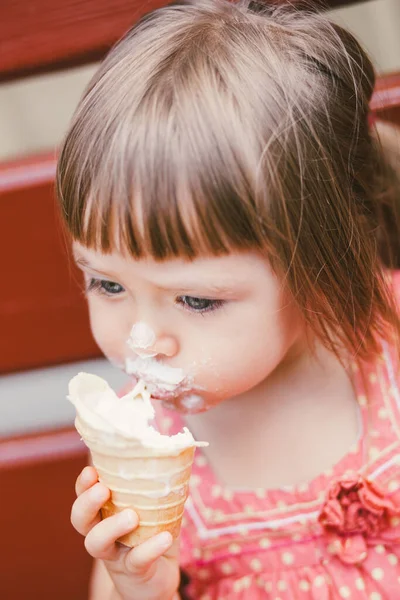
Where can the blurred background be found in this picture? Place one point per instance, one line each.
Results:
(48, 52)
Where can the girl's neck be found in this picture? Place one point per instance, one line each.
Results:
(299, 422)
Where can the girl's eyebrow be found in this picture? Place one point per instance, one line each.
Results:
(185, 287)
(198, 287)
(82, 262)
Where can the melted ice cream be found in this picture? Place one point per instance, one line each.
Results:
(100, 408)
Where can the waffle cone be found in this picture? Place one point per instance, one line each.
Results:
(155, 485)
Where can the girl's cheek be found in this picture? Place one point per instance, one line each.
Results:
(106, 332)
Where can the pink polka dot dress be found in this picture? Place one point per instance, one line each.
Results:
(335, 537)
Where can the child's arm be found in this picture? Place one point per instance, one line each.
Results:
(101, 586)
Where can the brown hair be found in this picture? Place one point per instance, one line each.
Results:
(215, 126)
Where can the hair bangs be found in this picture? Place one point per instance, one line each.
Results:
(164, 189)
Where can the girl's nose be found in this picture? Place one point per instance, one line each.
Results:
(166, 345)
(145, 342)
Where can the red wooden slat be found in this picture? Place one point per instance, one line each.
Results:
(43, 315)
(41, 555)
(44, 35)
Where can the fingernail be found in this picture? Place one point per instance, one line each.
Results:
(165, 539)
(128, 517)
(99, 493)
(85, 475)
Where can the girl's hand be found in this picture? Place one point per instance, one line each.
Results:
(148, 572)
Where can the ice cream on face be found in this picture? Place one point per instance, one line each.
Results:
(156, 375)
(141, 339)
(98, 406)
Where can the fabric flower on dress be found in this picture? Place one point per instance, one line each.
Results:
(356, 509)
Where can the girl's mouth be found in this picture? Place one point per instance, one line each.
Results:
(163, 382)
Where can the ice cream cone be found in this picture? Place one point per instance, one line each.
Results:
(154, 484)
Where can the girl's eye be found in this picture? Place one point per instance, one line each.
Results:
(103, 286)
(199, 305)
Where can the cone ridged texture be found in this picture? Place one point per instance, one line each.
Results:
(155, 485)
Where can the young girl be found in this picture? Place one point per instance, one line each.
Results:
(226, 195)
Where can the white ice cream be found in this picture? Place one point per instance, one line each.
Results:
(141, 339)
(100, 408)
(155, 373)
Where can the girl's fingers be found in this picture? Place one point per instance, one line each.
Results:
(86, 479)
(100, 541)
(85, 510)
(140, 559)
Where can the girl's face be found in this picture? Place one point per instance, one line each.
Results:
(213, 328)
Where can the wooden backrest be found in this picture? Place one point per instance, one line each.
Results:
(41, 555)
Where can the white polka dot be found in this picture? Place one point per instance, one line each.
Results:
(344, 592)
(226, 568)
(319, 580)
(234, 548)
(362, 400)
(303, 487)
(242, 584)
(265, 543)
(393, 485)
(205, 597)
(297, 537)
(281, 504)
(373, 453)
(200, 460)
(249, 509)
(380, 549)
(260, 493)
(395, 521)
(375, 433)
(208, 512)
(360, 585)
(256, 564)
(216, 491)
(196, 553)
(373, 378)
(375, 596)
(333, 547)
(393, 560)
(287, 558)
(304, 586)
(195, 480)
(228, 495)
(268, 586)
(377, 574)
(383, 413)
(282, 585)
